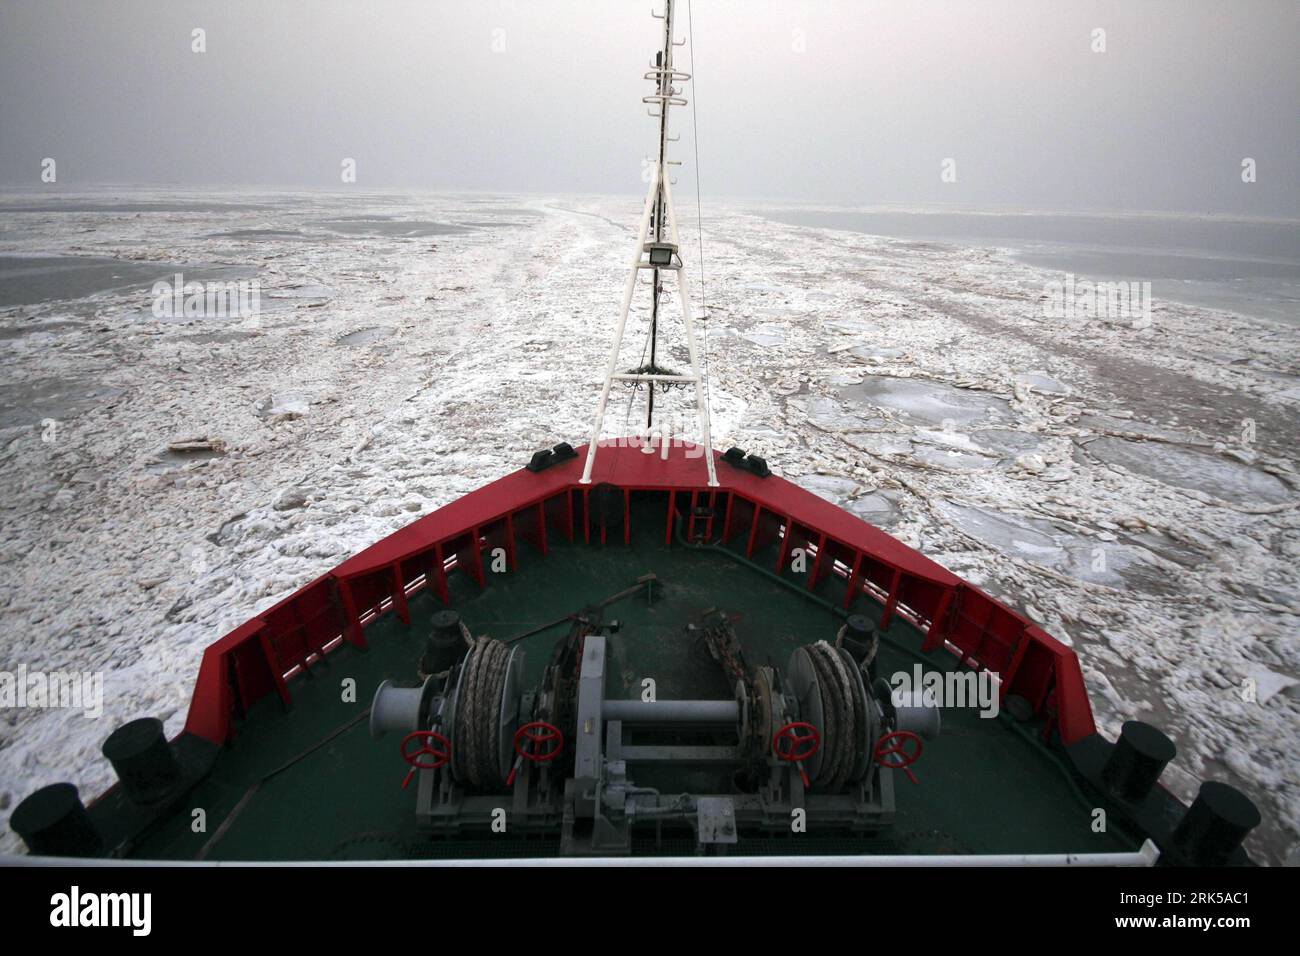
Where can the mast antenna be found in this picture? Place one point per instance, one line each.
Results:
(658, 250)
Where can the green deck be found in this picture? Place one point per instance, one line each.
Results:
(985, 786)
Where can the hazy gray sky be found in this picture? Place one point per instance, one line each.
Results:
(841, 101)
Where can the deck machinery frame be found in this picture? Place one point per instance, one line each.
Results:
(596, 805)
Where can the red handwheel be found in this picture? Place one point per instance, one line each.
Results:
(536, 734)
(797, 752)
(428, 747)
(885, 747)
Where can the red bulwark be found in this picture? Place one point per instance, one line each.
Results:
(868, 565)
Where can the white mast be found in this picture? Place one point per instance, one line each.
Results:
(658, 249)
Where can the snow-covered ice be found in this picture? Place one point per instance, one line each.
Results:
(1132, 488)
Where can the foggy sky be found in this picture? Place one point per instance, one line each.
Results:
(840, 102)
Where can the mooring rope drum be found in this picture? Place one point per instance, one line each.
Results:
(833, 717)
(467, 714)
(482, 716)
(832, 698)
(861, 717)
(763, 721)
(493, 773)
(476, 760)
(482, 703)
(460, 716)
(850, 713)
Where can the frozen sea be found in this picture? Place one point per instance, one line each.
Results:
(1132, 487)
(1248, 266)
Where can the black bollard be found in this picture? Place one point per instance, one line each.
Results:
(53, 822)
(1214, 827)
(143, 759)
(1140, 756)
(860, 640)
(445, 645)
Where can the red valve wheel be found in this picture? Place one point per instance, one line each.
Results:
(428, 747)
(796, 752)
(885, 747)
(536, 734)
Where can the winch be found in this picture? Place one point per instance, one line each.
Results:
(808, 749)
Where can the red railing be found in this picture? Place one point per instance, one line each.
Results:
(842, 556)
